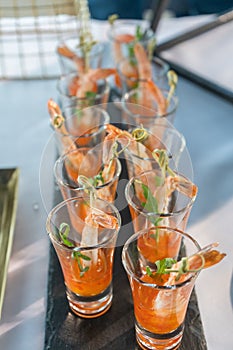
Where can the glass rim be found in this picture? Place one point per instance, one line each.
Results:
(165, 127)
(174, 100)
(154, 285)
(152, 214)
(129, 22)
(80, 248)
(60, 162)
(88, 133)
(63, 77)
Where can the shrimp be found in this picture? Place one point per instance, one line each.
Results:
(87, 82)
(181, 184)
(66, 52)
(145, 75)
(117, 45)
(95, 220)
(57, 122)
(144, 65)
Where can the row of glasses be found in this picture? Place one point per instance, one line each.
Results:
(84, 227)
(84, 231)
(86, 159)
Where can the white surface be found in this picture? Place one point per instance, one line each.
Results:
(208, 55)
(213, 285)
(24, 133)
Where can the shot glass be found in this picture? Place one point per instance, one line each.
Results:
(89, 163)
(84, 235)
(84, 128)
(154, 201)
(129, 76)
(160, 303)
(141, 108)
(160, 136)
(70, 55)
(124, 33)
(67, 86)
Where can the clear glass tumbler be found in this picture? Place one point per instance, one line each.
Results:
(141, 108)
(70, 55)
(160, 301)
(160, 136)
(129, 76)
(84, 234)
(67, 92)
(83, 128)
(153, 201)
(89, 163)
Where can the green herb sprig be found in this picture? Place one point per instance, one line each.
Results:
(151, 205)
(64, 231)
(77, 255)
(165, 266)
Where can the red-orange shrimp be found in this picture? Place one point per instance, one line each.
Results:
(158, 95)
(145, 75)
(66, 52)
(57, 122)
(88, 82)
(117, 45)
(144, 65)
(181, 184)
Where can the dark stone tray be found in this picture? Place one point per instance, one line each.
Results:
(115, 329)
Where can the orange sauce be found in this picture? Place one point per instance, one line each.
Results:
(92, 282)
(159, 311)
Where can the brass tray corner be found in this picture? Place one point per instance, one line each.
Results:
(8, 205)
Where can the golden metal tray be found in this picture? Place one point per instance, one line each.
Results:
(8, 204)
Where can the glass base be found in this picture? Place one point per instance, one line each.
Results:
(90, 307)
(152, 341)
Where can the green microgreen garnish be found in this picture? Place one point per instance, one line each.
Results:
(139, 33)
(151, 205)
(90, 94)
(165, 266)
(97, 179)
(78, 256)
(64, 231)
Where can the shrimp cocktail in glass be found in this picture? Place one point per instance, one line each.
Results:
(139, 157)
(123, 34)
(88, 163)
(161, 288)
(77, 91)
(75, 128)
(159, 197)
(83, 232)
(71, 55)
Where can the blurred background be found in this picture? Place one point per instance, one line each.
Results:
(101, 9)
